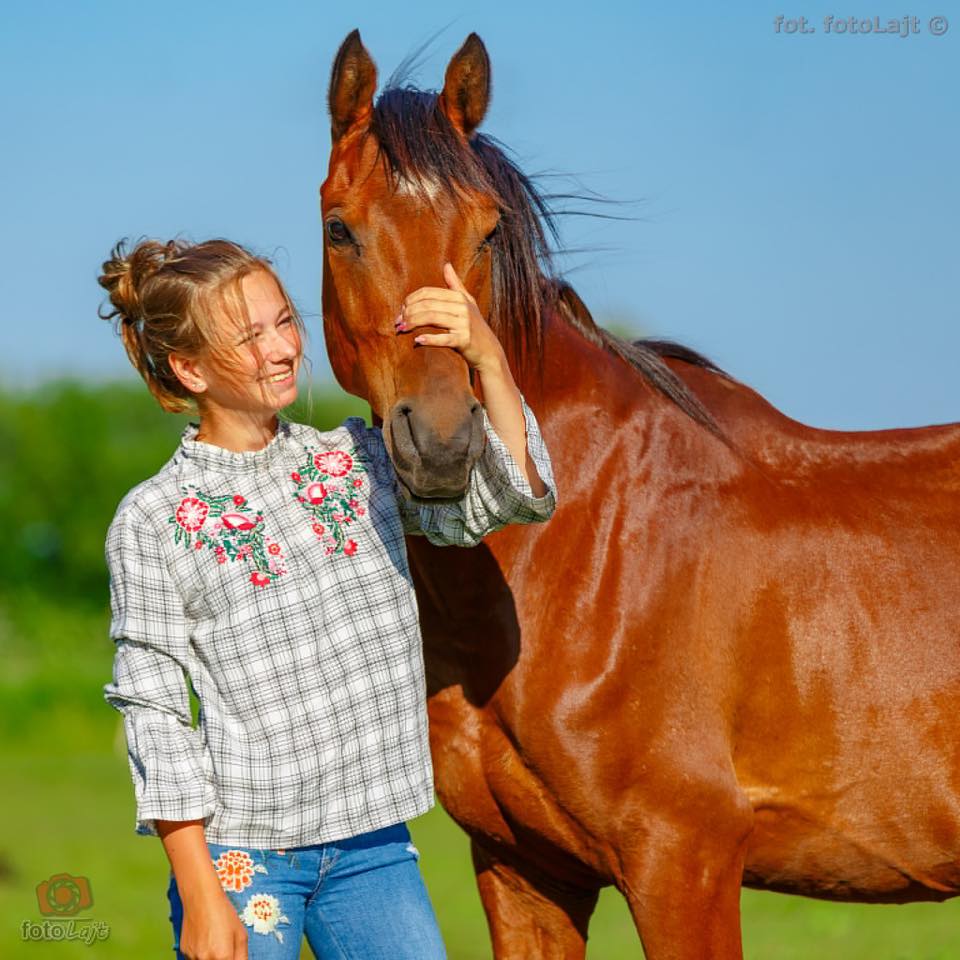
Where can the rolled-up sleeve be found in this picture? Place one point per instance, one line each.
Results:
(149, 687)
(497, 493)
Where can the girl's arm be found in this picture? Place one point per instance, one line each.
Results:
(469, 334)
(211, 926)
(173, 796)
(501, 398)
(512, 481)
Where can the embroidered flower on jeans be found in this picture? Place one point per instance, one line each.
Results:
(262, 912)
(236, 868)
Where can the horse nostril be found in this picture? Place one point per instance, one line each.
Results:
(405, 409)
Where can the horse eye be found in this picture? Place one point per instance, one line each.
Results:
(488, 239)
(337, 231)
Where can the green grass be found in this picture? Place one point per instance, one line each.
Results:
(73, 812)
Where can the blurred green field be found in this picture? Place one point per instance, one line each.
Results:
(70, 453)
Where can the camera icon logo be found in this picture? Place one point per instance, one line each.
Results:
(64, 895)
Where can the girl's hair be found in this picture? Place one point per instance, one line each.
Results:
(166, 298)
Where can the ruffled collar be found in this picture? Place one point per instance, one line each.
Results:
(233, 461)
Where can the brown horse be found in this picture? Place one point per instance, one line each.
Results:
(732, 656)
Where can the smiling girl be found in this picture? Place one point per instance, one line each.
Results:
(265, 565)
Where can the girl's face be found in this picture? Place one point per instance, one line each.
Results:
(274, 341)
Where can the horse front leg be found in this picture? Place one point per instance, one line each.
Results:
(683, 889)
(529, 914)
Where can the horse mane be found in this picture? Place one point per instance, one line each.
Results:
(419, 147)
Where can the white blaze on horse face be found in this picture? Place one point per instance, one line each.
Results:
(425, 186)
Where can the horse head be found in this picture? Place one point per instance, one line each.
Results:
(411, 185)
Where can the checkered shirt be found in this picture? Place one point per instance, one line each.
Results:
(276, 582)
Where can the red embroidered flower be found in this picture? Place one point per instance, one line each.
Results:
(358, 482)
(354, 503)
(236, 535)
(336, 463)
(237, 521)
(318, 529)
(295, 477)
(191, 513)
(350, 548)
(316, 492)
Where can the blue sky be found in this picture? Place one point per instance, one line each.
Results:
(797, 194)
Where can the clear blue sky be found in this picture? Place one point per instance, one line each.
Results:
(800, 192)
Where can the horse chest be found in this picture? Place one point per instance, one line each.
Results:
(486, 785)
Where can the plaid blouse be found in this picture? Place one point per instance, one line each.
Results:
(276, 582)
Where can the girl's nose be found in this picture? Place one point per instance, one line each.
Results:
(283, 347)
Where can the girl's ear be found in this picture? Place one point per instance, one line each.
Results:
(188, 372)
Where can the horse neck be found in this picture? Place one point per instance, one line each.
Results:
(569, 368)
(575, 372)
(587, 387)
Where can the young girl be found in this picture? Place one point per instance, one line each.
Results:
(265, 564)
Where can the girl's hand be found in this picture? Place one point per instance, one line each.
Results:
(212, 930)
(457, 312)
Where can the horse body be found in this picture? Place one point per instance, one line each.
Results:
(713, 633)
(731, 656)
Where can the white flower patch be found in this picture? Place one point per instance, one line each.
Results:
(262, 912)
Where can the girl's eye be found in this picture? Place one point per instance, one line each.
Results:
(337, 232)
(286, 320)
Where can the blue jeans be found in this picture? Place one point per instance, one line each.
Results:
(357, 899)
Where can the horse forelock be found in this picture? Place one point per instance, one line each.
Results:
(421, 151)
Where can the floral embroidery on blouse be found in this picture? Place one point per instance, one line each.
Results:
(235, 869)
(329, 486)
(263, 913)
(229, 527)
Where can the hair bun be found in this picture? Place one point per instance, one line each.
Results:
(124, 275)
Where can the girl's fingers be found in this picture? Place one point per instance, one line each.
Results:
(453, 325)
(433, 293)
(436, 340)
(427, 317)
(446, 306)
(453, 280)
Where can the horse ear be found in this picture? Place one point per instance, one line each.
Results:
(352, 83)
(466, 86)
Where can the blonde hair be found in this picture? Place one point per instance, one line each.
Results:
(166, 298)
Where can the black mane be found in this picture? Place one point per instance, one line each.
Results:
(418, 144)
